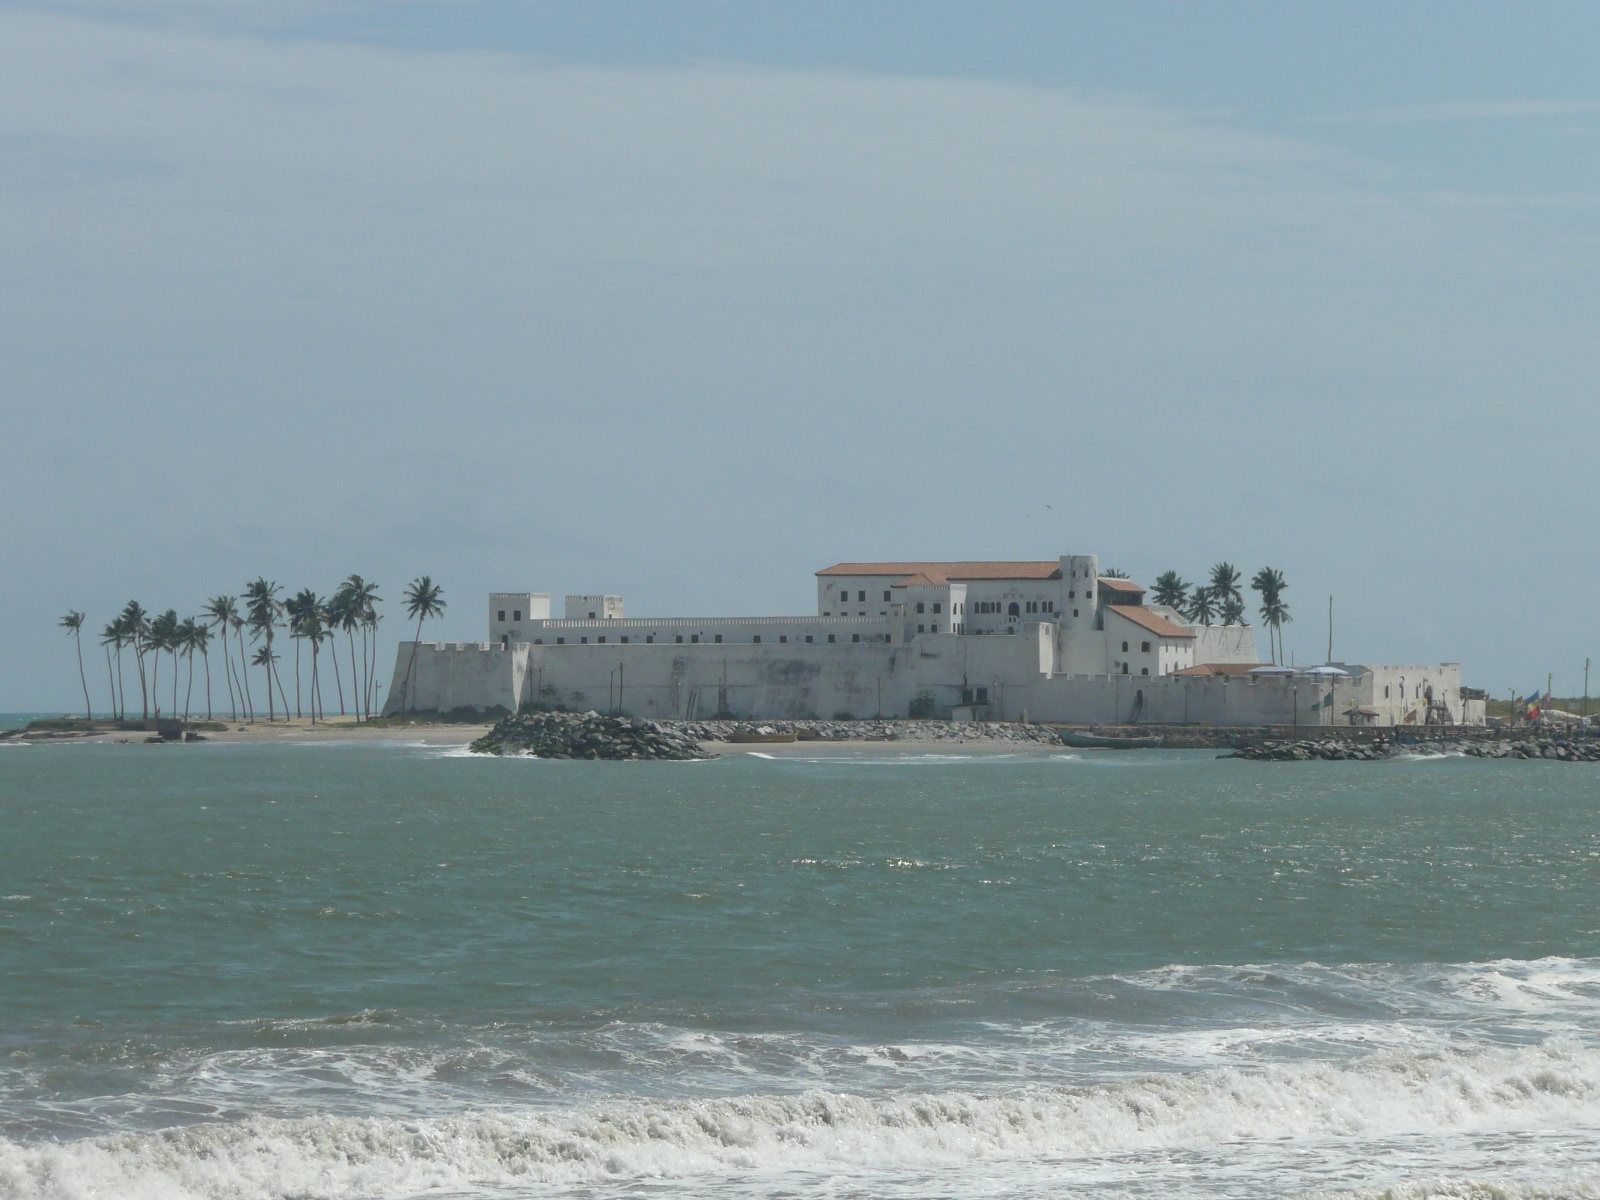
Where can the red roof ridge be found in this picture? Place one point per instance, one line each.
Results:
(1142, 616)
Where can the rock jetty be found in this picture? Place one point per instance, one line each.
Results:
(588, 735)
(1560, 748)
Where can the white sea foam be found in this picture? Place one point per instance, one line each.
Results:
(1355, 1112)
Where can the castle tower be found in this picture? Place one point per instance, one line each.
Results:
(1080, 574)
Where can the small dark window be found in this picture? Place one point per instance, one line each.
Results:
(922, 629)
(649, 639)
(591, 616)
(935, 606)
(919, 605)
(538, 641)
(757, 639)
(516, 614)
(624, 641)
(782, 638)
(862, 596)
(504, 640)
(584, 641)
(678, 638)
(1145, 647)
(1144, 670)
(983, 696)
(601, 640)
(694, 638)
(501, 616)
(888, 637)
(1074, 612)
(808, 637)
(719, 637)
(1014, 610)
(1072, 595)
(830, 637)
(561, 641)
(886, 597)
(826, 613)
(933, 629)
(855, 637)
(1124, 647)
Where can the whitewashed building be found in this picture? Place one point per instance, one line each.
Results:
(1053, 640)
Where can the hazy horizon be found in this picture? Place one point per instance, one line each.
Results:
(687, 301)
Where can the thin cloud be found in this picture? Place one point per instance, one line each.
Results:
(1468, 110)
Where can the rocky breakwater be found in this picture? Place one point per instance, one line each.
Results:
(588, 736)
(1559, 748)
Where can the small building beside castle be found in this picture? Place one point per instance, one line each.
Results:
(1053, 640)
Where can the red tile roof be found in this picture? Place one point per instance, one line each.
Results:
(944, 572)
(1219, 669)
(1159, 626)
(1120, 585)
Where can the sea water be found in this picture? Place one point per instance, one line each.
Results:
(362, 970)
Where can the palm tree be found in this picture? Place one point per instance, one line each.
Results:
(135, 626)
(363, 597)
(200, 639)
(220, 610)
(1270, 582)
(1111, 573)
(369, 625)
(73, 624)
(335, 615)
(188, 631)
(1225, 583)
(314, 632)
(1171, 590)
(264, 607)
(237, 622)
(302, 608)
(111, 636)
(1233, 611)
(1202, 606)
(424, 599)
(163, 635)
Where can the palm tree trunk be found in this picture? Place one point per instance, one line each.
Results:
(111, 683)
(144, 694)
(174, 681)
(155, 683)
(405, 699)
(278, 676)
(88, 711)
(244, 676)
(121, 699)
(205, 656)
(338, 677)
(188, 693)
(349, 633)
(298, 711)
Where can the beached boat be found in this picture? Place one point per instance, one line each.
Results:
(1092, 741)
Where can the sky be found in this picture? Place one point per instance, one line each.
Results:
(688, 300)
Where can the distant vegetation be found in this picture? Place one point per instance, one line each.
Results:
(259, 613)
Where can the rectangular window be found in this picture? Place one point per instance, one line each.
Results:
(624, 641)
(921, 629)
(584, 641)
(1072, 595)
(783, 638)
(678, 638)
(601, 639)
(516, 614)
(933, 628)
(830, 637)
(719, 638)
(827, 614)
(649, 639)
(919, 605)
(982, 696)
(808, 637)
(855, 637)
(561, 641)
(888, 637)
(694, 639)
(502, 615)
(861, 596)
(1145, 646)
(504, 641)
(757, 639)
(935, 606)
(886, 597)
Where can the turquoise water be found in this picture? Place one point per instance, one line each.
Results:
(390, 970)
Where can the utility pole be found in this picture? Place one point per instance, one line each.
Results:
(1330, 630)
(1585, 711)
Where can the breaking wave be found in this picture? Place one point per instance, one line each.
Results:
(1385, 1096)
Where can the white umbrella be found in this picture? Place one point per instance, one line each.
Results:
(1326, 671)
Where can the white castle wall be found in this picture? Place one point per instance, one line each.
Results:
(867, 679)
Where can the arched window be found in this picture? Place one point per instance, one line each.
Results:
(1015, 610)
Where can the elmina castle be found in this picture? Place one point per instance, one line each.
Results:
(990, 641)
